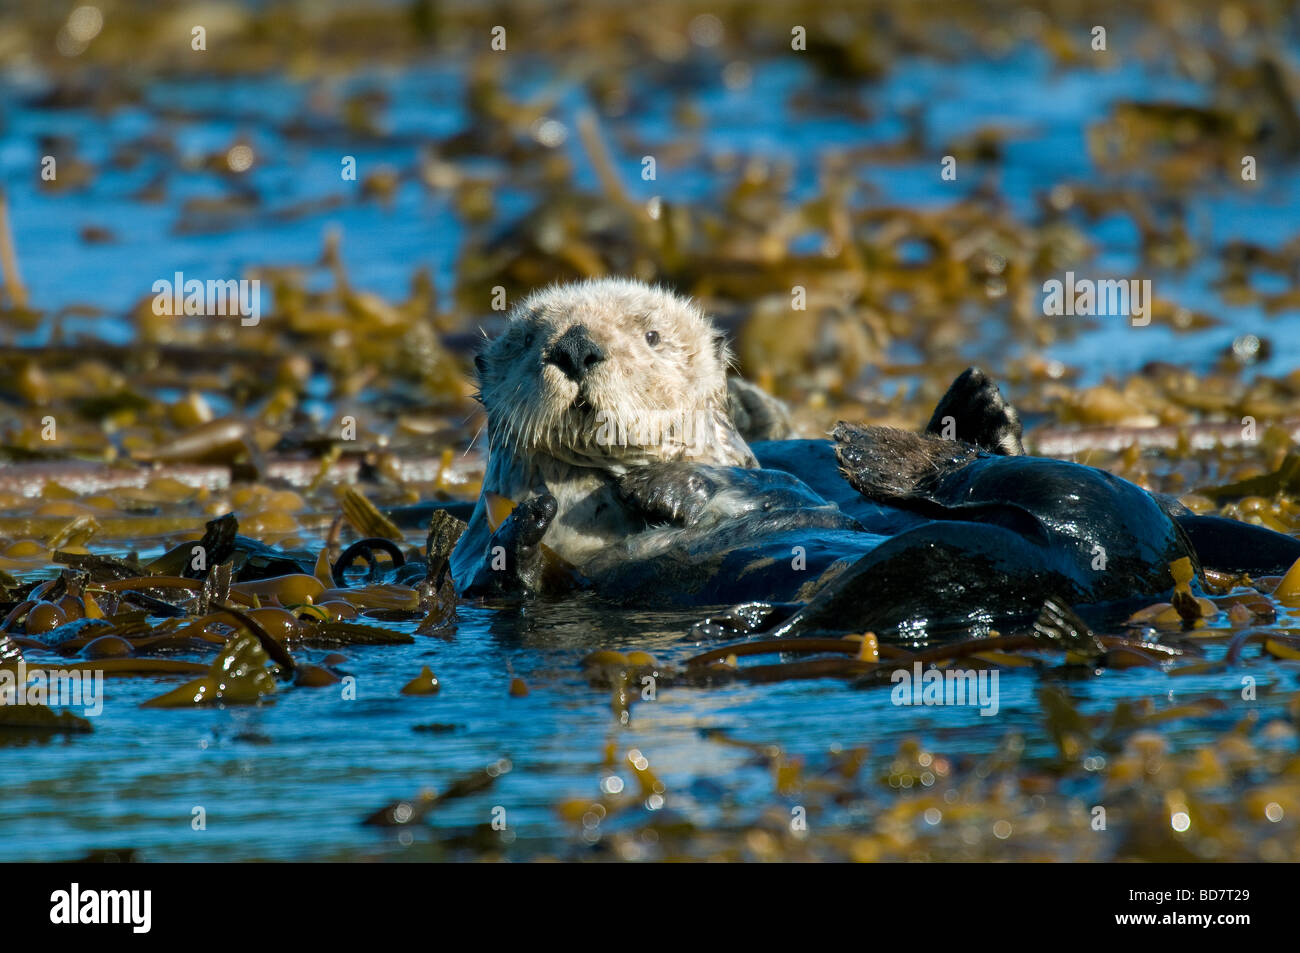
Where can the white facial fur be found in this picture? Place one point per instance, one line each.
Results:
(549, 431)
(534, 407)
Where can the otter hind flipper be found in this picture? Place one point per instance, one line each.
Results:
(974, 411)
(883, 463)
(903, 469)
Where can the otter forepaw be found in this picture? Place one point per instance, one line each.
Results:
(529, 521)
(513, 563)
(974, 411)
(675, 493)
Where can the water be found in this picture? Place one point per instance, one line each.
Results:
(293, 778)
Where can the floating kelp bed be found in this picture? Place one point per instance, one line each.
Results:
(310, 689)
(244, 624)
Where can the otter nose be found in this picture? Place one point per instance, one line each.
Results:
(575, 353)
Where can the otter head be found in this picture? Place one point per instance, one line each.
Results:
(610, 374)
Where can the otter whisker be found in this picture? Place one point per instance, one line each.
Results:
(474, 439)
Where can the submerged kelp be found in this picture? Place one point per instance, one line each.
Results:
(801, 194)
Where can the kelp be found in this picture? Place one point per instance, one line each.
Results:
(28, 718)
(426, 683)
(238, 676)
(412, 811)
(330, 634)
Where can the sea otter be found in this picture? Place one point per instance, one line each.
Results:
(612, 427)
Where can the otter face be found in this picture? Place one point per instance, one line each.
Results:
(610, 373)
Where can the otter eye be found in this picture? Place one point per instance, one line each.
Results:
(528, 339)
(652, 338)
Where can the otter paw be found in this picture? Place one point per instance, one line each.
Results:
(528, 522)
(675, 493)
(974, 411)
(513, 565)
